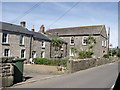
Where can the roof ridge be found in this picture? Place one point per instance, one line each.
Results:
(77, 27)
(12, 24)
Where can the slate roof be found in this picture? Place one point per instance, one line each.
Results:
(51, 36)
(19, 29)
(40, 36)
(13, 28)
(96, 29)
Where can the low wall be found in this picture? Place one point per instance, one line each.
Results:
(6, 71)
(82, 64)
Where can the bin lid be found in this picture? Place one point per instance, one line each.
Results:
(18, 59)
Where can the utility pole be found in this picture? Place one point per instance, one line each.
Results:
(108, 38)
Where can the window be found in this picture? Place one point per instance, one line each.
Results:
(33, 54)
(21, 40)
(43, 44)
(71, 53)
(72, 41)
(23, 53)
(102, 43)
(6, 52)
(42, 54)
(84, 40)
(62, 48)
(5, 38)
(105, 43)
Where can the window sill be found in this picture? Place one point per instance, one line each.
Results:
(5, 44)
(84, 44)
(72, 44)
(21, 45)
(43, 47)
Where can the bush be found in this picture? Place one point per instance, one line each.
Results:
(106, 55)
(118, 53)
(113, 52)
(85, 54)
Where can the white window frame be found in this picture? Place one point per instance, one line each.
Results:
(43, 44)
(34, 52)
(71, 54)
(102, 43)
(21, 53)
(42, 54)
(62, 48)
(22, 40)
(83, 41)
(8, 53)
(6, 38)
(71, 39)
(105, 43)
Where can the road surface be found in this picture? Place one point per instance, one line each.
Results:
(98, 77)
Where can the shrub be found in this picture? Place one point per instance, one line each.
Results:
(118, 53)
(85, 54)
(106, 55)
(113, 52)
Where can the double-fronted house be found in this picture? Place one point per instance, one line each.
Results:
(18, 41)
(76, 36)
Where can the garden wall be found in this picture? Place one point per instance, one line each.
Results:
(6, 72)
(82, 64)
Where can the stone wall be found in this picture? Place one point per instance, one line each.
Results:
(77, 65)
(6, 72)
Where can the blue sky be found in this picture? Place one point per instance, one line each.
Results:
(84, 13)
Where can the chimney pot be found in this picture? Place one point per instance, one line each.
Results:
(42, 28)
(23, 24)
(33, 29)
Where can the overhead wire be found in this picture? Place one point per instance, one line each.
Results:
(27, 12)
(63, 14)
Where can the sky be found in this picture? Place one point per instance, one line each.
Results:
(63, 14)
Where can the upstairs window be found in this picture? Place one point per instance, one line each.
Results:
(21, 40)
(103, 43)
(43, 44)
(84, 39)
(5, 38)
(72, 41)
(23, 53)
(6, 52)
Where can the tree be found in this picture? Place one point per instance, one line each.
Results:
(90, 41)
(57, 43)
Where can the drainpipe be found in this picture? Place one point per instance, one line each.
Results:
(30, 46)
(108, 37)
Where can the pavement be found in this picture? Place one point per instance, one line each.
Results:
(103, 76)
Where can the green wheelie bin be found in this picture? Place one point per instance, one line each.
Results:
(18, 64)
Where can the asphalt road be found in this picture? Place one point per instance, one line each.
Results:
(98, 77)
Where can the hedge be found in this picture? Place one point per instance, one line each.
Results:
(52, 61)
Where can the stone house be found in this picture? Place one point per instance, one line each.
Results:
(76, 36)
(18, 41)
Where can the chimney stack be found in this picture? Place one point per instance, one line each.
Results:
(33, 29)
(23, 24)
(42, 29)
